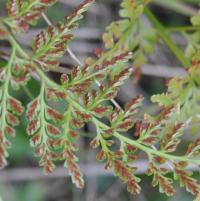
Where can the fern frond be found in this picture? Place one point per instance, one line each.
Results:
(51, 44)
(23, 13)
(119, 35)
(193, 37)
(159, 178)
(44, 125)
(184, 176)
(54, 134)
(183, 92)
(115, 160)
(69, 137)
(10, 109)
(80, 79)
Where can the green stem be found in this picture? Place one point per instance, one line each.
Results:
(6, 87)
(135, 143)
(4, 100)
(67, 118)
(42, 113)
(102, 141)
(18, 48)
(26, 57)
(155, 152)
(166, 38)
(183, 29)
(179, 7)
(146, 149)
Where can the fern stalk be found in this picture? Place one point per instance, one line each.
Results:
(166, 38)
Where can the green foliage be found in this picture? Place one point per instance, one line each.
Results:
(54, 134)
(130, 25)
(184, 92)
(193, 37)
(32, 192)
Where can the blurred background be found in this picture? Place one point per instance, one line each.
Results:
(23, 180)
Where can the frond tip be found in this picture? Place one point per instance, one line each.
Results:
(23, 13)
